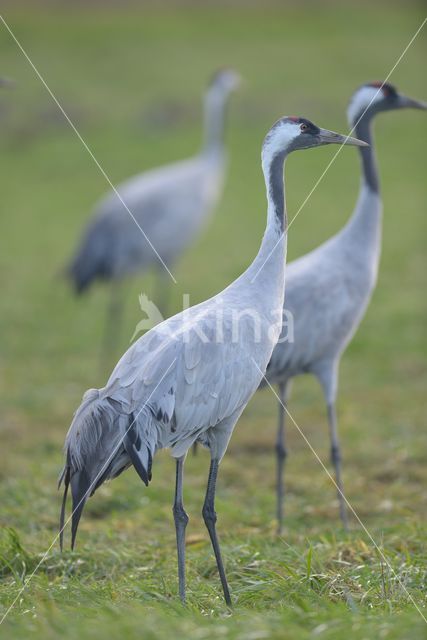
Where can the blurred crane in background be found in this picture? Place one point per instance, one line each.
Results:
(6, 82)
(151, 219)
(328, 290)
(179, 383)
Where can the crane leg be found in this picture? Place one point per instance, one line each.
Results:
(162, 291)
(327, 373)
(181, 521)
(336, 461)
(281, 454)
(112, 325)
(209, 516)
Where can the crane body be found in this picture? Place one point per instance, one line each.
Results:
(164, 204)
(328, 290)
(149, 220)
(190, 377)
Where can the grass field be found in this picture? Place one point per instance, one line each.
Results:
(131, 80)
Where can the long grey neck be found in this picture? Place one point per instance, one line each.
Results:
(215, 106)
(273, 174)
(270, 259)
(369, 164)
(362, 233)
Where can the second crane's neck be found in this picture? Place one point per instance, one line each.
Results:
(363, 131)
(216, 100)
(363, 231)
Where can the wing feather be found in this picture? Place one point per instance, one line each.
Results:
(184, 382)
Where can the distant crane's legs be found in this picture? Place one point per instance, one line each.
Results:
(181, 521)
(209, 516)
(113, 323)
(162, 291)
(336, 461)
(281, 453)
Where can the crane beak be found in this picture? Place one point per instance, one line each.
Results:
(330, 137)
(410, 103)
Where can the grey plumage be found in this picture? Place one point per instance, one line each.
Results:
(191, 376)
(328, 290)
(170, 204)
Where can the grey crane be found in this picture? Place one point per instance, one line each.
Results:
(168, 207)
(328, 289)
(190, 377)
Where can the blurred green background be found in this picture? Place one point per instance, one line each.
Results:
(131, 77)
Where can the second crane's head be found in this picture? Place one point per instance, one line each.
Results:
(224, 81)
(293, 133)
(374, 97)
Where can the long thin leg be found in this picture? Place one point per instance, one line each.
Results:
(336, 461)
(327, 373)
(209, 516)
(181, 521)
(281, 453)
(162, 291)
(113, 323)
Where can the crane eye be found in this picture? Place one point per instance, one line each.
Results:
(303, 127)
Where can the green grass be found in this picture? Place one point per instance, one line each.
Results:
(131, 79)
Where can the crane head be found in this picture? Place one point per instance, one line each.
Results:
(374, 97)
(225, 80)
(292, 133)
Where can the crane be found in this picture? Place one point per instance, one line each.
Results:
(190, 377)
(150, 219)
(328, 289)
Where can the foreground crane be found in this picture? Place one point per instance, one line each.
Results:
(328, 290)
(157, 214)
(190, 377)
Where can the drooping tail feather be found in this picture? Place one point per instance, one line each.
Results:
(94, 258)
(80, 490)
(132, 443)
(101, 443)
(65, 476)
(92, 455)
(84, 270)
